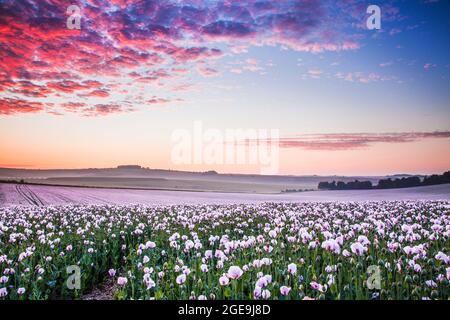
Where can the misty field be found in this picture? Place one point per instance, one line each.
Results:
(365, 250)
(41, 195)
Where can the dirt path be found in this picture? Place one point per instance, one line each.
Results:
(104, 291)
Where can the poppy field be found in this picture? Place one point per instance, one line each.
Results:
(293, 251)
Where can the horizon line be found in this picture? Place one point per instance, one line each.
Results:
(211, 171)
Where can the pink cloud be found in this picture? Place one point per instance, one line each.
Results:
(349, 141)
(207, 71)
(10, 106)
(152, 42)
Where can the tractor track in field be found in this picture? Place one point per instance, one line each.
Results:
(31, 197)
(2, 196)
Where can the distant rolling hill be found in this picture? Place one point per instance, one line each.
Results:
(146, 178)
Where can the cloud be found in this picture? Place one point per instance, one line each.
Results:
(236, 70)
(73, 106)
(155, 101)
(315, 73)
(16, 106)
(350, 141)
(207, 71)
(386, 64)
(228, 29)
(27, 88)
(184, 87)
(363, 78)
(394, 31)
(102, 110)
(250, 65)
(136, 42)
(97, 93)
(67, 86)
(428, 66)
(158, 101)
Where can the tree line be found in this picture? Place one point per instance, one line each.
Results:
(406, 182)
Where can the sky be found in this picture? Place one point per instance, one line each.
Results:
(344, 99)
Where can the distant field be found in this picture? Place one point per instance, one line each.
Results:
(155, 179)
(170, 184)
(38, 195)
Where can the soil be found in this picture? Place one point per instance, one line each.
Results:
(103, 292)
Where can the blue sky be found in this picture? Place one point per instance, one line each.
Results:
(138, 70)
